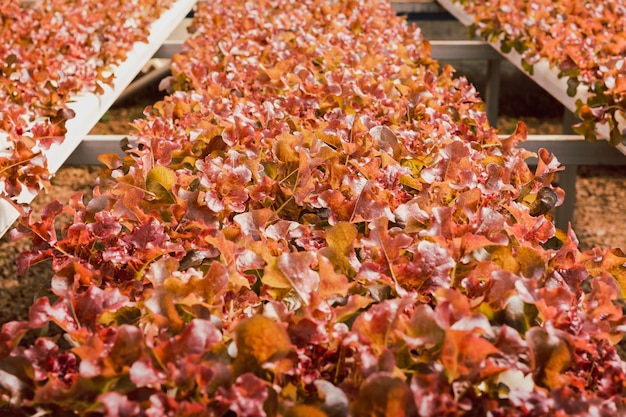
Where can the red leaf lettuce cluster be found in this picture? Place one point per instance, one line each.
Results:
(318, 220)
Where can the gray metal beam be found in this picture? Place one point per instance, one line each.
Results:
(574, 150)
(568, 149)
(93, 146)
(492, 93)
(417, 7)
(460, 50)
(441, 50)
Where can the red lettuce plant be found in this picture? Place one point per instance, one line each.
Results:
(583, 41)
(318, 220)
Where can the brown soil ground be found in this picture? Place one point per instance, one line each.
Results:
(597, 221)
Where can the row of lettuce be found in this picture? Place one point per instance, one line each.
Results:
(52, 51)
(583, 41)
(317, 220)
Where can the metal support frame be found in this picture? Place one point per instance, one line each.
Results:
(492, 93)
(156, 74)
(569, 149)
(418, 8)
(567, 179)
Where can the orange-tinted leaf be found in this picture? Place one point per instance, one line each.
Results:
(70, 277)
(259, 340)
(423, 330)
(503, 257)
(387, 141)
(530, 262)
(254, 222)
(612, 261)
(380, 322)
(127, 348)
(620, 84)
(520, 135)
(463, 352)
(547, 165)
(214, 283)
(285, 148)
(160, 181)
(384, 395)
(355, 303)
(110, 160)
(340, 239)
(304, 411)
(550, 356)
(123, 315)
(280, 69)
(331, 282)
(297, 269)
(161, 301)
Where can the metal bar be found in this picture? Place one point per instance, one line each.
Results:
(441, 50)
(463, 50)
(456, 11)
(492, 93)
(568, 149)
(169, 48)
(426, 7)
(567, 181)
(574, 150)
(154, 75)
(93, 146)
(569, 119)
